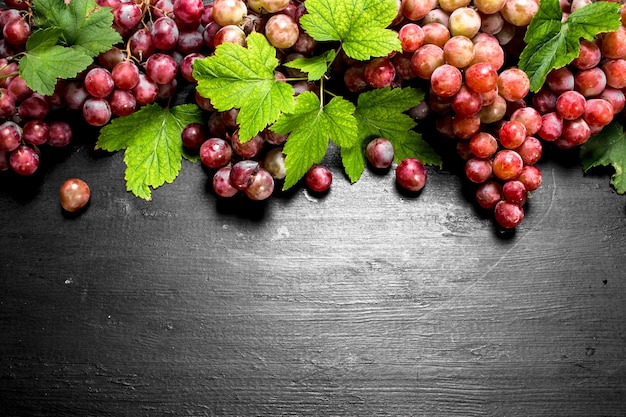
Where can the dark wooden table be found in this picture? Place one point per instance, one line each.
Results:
(363, 302)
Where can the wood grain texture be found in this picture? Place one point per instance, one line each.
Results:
(361, 302)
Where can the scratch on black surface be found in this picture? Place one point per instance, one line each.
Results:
(504, 255)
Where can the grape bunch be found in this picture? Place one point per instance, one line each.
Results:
(580, 99)
(466, 51)
(24, 126)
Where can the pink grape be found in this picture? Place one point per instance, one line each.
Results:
(24, 160)
(164, 33)
(318, 178)
(99, 82)
(570, 105)
(530, 150)
(507, 164)
(281, 31)
(411, 174)
(459, 51)
(446, 80)
(483, 145)
(478, 170)
(10, 136)
(221, 183)
(426, 59)
(61, 133)
(551, 127)
(481, 77)
(122, 102)
(514, 191)
(379, 153)
(229, 12)
(529, 117)
(215, 153)
(411, 37)
(416, 9)
(36, 132)
(262, 186)
(380, 72)
(436, 34)
(531, 177)
(161, 68)
(488, 194)
(512, 134)
(96, 111)
(615, 72)
(508, 215)
(74, 194)
(513, 84)
(590, 82)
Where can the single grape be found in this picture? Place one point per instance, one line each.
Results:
(426, 59)
(380, 72)
(164, 33)
(122, 102)
(481, 77)
(249, 148)
(74, 194)
(551, 127)
(141, 44)
(318, 178)
(10, 136)
(24, 160)
(125, 75)
(576, 132)
(379, 153)
(488, 194)
(16, 32)
(530, 150)
(36, 132)
(96, 111)
(614, 44)
(221, 183)
(17, 87)
(34, 107)
(531, 177)
(446, 80)
(560, 80)
(274, 163)
(466, 101)
(459, 51)
(60, 133)
(416, 9)
(411, 174)
(465, 21)
(161, 68)
(281, 31)
(146, 90)
(465, 127)
(215, 153)
(242, 173)
(193, 136)
(514, 191)
(588, 57)
(229, 12)
(615, 72)
(188, 11)
(99, 82)
(262, 186)
(508, 215)
(512, 134)
(616, 97)
(490, 52)
(230, 33)
(493, 112)
(478, 170)
(436, 34)
(513, 84)
(507, 164)
(483, 145)
(590, 82)
(127, 15)
(411, 37)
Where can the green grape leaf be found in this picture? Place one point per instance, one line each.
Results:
(153, 147)
(360, 25)
(44, 61)
(551, 43)
(243, 78)
(607, 148)
(315, 66)
(310, 127)
(381, 113)
(85, 25)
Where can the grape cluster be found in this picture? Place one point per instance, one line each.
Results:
(24, 124)
(466, 51)
(578, 100)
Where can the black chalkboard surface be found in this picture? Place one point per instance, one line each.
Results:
(364, 301)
